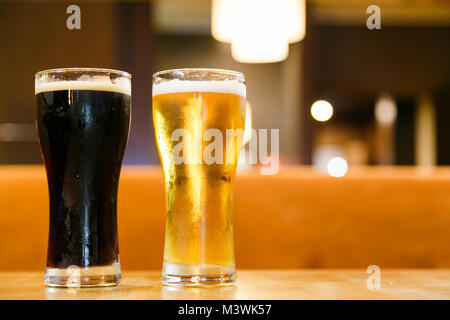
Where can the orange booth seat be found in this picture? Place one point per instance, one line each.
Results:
(391, 217)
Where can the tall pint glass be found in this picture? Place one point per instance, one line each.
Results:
(199, 117)
(83, 119)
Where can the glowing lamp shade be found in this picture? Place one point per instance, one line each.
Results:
(261, 36)
(259, 30)
(296, 19)
(222, 24)
(322, 110)
(337, 167)
(259, 48)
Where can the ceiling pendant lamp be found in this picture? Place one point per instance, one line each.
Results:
(259, 30)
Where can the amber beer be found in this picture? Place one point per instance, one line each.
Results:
(199, 195)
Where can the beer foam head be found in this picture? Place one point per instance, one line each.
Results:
(177, 85)
(98, 83)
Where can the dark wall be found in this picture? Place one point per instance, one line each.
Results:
(398, 59)
(350, 64)
(404, 129)
(443, 126)
(34, 37)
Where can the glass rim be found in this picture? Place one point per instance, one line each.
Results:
(82, 70)
(239, 75)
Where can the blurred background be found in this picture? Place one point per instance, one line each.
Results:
(369, 105)
(388, 90)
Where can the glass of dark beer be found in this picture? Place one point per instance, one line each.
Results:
(83, 120)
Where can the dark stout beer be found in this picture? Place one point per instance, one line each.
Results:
(82, 132)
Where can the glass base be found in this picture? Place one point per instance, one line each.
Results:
(174, 274)
(76, 277)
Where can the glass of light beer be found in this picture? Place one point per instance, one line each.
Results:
(199, 117)
(83, 120)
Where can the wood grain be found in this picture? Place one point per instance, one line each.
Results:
(252, 284)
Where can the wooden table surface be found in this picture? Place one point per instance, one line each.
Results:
(251, 284)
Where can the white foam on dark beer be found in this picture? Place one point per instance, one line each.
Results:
(121, 86)
(176, 85)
